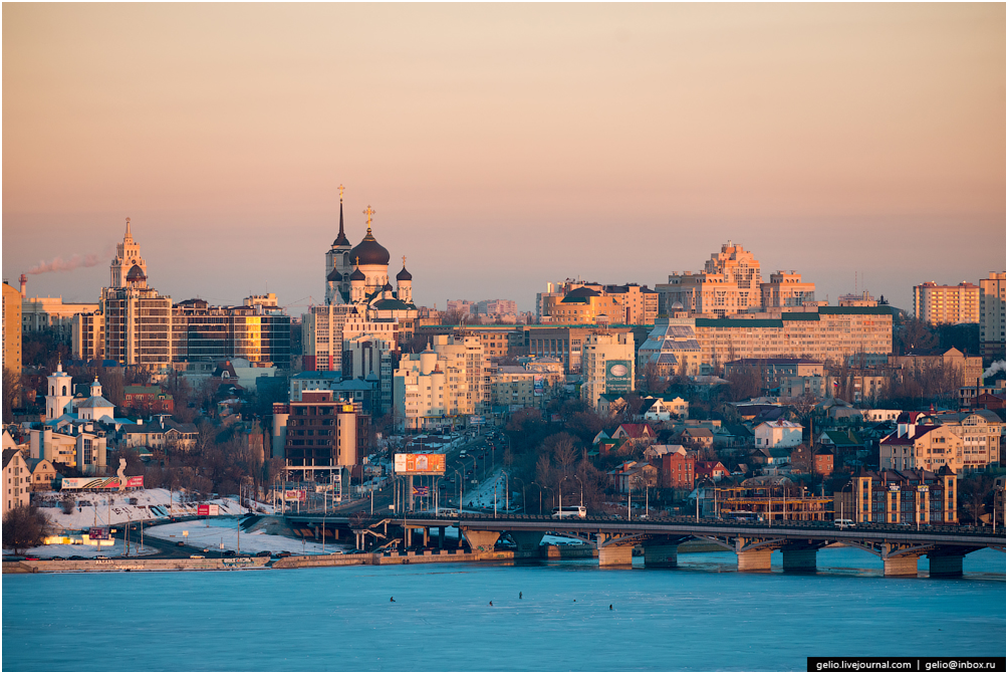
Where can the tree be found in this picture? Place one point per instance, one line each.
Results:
(24, 527)
(744, 382)
(11, 394)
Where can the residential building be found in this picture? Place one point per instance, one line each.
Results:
(513, 387)
(11, 330)
(786, 289)
(781, 433)
(16, 478)
(607, 365)
(160, 433)
(497, 308)
(971, 367)
(441, 385)
(51, 313)
(937, 304)
(148, 398)
(677, 469)
(981, 432)
(992, 315)
(596, 304)
(257, 331)
(80, 445)
(659, 409)
(787, 377)
(321, 432)
(729, 284)
(43, 474)
(915, 446)
(767, 498)
(900, 496)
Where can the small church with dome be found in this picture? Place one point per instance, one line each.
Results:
(359, 276)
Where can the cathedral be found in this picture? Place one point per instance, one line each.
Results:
(359, 276)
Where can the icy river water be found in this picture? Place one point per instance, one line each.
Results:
(702, 616)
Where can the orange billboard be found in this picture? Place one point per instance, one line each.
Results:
(419, 464)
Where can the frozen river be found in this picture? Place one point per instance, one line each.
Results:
(702, 616)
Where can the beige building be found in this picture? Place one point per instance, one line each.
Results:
(937, 304)
(578, 303)
(16, 478)
(786, 289)
(819, 333)
(981, 432)
(992, 315)
(729, 284)
(441, 386)
(921, 447)
(43, 313)
(607, 365)
(11, 329)
(970, 366)
(516, 386)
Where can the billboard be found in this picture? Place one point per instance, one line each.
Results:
(296, 495)
(420, 464)
(538, 384)
(477, 420)
(208, 510)
(99, 534)
(81, 483)
(618, 375)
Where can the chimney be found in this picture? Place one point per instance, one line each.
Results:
(24, 287)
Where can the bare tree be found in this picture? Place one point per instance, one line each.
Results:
(24, 526)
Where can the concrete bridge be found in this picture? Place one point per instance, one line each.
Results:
(899, 547)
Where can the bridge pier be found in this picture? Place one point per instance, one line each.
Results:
(903, 565)
(440, 536)
(426, 536)
(481, 541)
(527, 544)
(754, 560)
(799, 560)
(661, 555)
(616, 555)
(945, 565)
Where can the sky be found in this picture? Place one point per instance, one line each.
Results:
(502, 146)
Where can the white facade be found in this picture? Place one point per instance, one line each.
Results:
(16, 480)
(778, 434)
(59, 393)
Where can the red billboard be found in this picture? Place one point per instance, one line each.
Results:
(208, 510)
(296, 495)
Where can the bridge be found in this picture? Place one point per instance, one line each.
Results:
(899, 547)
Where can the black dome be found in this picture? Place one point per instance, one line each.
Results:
(404, 275)
(369, 251)
(135, 274)
(357, 275)
(341, 240)
(334, 275)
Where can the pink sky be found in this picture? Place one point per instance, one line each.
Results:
(504, 146)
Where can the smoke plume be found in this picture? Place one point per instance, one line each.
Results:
(995, 366)
(76, 260)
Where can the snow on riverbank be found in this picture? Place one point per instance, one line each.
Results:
(106, 509)
(212, 533)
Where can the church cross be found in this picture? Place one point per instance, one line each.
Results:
(369, 212)
(341, 193)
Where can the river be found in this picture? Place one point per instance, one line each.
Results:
(702, 616)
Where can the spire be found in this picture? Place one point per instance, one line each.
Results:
(129, 234)
(341, 240)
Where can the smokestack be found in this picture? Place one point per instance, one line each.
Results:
(24, 287)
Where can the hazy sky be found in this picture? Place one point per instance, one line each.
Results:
(503, 146)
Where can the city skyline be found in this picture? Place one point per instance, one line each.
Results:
(504, 147)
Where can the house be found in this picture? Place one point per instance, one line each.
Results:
(633, 432)
(780, 433)
(634, 475)
(735, 435)
(16, 480)
(43, 474)
(161, 433)
(677, 469)
(900, 496)
(148, 398)
(842, 440)
(658, 451)
(822, 460)
(713, 470)
(921, 447)
(698, 437)
(658, 409)
(604, 445)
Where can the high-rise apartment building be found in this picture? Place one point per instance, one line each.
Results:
(937, 304)
(992, 315)
(441, 386)
(11, 329)
(607, 365)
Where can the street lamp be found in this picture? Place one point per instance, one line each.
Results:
(523, 493)
(560, 494)
(459, 476)
(582, 489)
